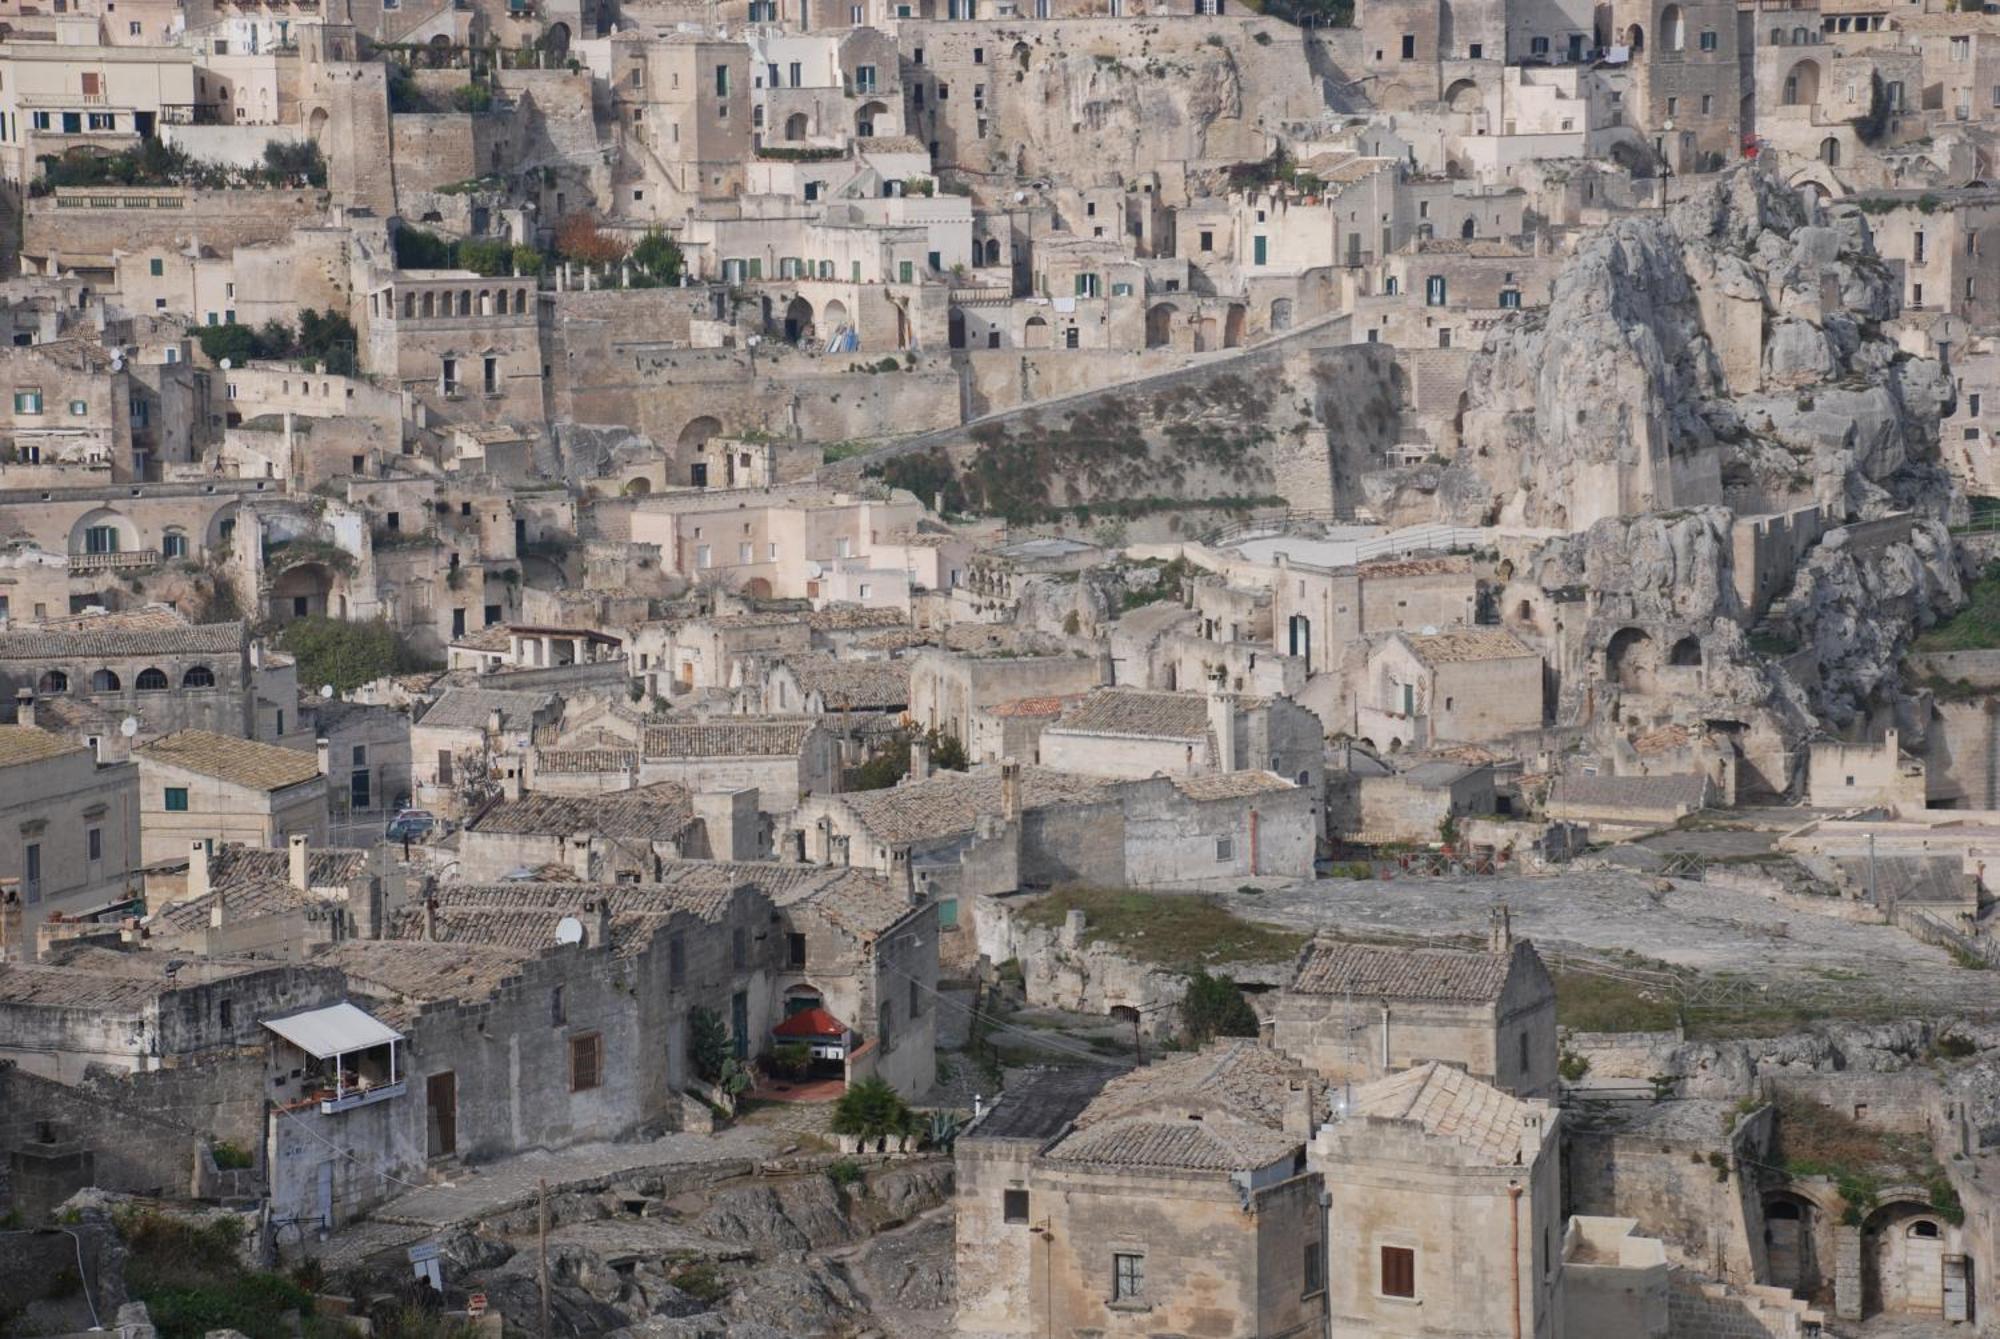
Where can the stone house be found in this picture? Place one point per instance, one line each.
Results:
(472, 741)
(1355, 1012)
(946, 687)
(198, 785)
(1176, 1199)
(367, 750)
(1449, 687)
(1316, 611)
(239, 901)
(617, 838)
(785, 759)
(152, 665)
(1846, 776)
(822, 684)
(1411, 805)
(1124, 732)
(69, 834)
(1626, 803)
(1426, 1174)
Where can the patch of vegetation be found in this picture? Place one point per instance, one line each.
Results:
(230, 1157)
(845, 1172)
(324, 341)
(892, 763)
(1814, 1140)
(192, 1282)
(781, 154)
(1869, 126)
(1168, 587)
(347, 655)
(1588, 1002)
(1571, 1066)
(699, 1279)
(1177, 930)
(1975, 627)
(286, 164)
(1214, 1007)
(872, 1110)
(494, 258)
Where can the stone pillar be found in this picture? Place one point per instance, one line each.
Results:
(1847, 1272)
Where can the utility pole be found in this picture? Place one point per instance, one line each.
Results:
(542, 1238)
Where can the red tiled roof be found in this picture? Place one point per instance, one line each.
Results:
(807, 1023)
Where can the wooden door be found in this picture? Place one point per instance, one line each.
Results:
(441, 1091)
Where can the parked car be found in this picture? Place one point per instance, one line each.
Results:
(411, 825)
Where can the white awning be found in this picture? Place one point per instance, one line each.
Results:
(339, 1029)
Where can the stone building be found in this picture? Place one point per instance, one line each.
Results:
(1449, 687)
(1175, 1199)
(1355, 1012)
(784, 759)
(235, 901)
(69, 834)
(1134, 733)
(946, 687)
(198, 785)
(617, 838)
(471, 742)
(1445, 1193)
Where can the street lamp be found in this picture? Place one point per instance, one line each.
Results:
(1666, 167)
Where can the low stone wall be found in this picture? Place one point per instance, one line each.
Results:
(1979, 668)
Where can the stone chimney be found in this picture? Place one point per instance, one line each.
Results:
(1299, 1115)
(920, 758)
(601, 937)
(299, 862)
(197, 876)
(1500, 929)
(256, 654)
(430, 918)
(24, 707)
(11, 920)
(325, 751)
(902, 874)
(1010, 790)
(493, 721)
(1222, 724)
(217, 913)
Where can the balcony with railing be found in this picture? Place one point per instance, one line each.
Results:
(130, 560)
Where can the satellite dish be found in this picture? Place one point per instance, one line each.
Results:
(569, 930)
(326, 692)
(117, 362)
(226, 364)
(813, 570)
(1019, 196)
(1430, 630)
(129, 726)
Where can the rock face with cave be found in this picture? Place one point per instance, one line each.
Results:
(1698, 385)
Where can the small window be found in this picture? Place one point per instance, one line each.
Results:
(1315, 1269)
(795, 950)
(1128, 1272)
(156, 267)
(1399, 1271)
(1225, 849)
(226, 1014)
(1524, 1052)
(558, 1015)
(1708, 40)
(677, 962)
(177, 799)
(1014, 1206)
(94, 839)
(586, 1057)
(739, 949)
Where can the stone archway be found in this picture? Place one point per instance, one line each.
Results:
(1686, 652)
(798, 321)
(1802, 84)
(1462, 96)
(1232, 325)
(690, 446)
(1035, 334)
(795, 127)
(1160, 325)
(1903, 1248)
(306, 590)
(1630, 659)
(1791, 1260)
(1281, 314)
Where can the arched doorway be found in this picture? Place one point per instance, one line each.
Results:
(1301, 637)
(955, 328)
(1468, 230)
(1829, 151)
(1673, 28)
(1904, 1245)
(1686, 652)
(798, 320)
(690, 446)
(1035, 334)
(833, 318)
(1635, 38)
(1802, 84)
(1160, 325)
(864, 119)
(556, 42)
(992, 251)
(316, 123)
(1629, 660)
(437, 53)
(1281, 314)
(638, 487)
(1462, 96)
(1791, 1262)
(1232, 325)
(795, 127)
(304, 591)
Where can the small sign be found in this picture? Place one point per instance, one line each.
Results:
(422, 1251)
(475, 1305)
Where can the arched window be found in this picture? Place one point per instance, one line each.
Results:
(55, 681)
(198, 676)
(152, 680)
(1673, 28)
(104, 681)
(174, 544)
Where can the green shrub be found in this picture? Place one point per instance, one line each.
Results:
(1214, 1007)
(844, 1173)
(230, 1157)
(473, 98)
(346, 655)
(872, 1110)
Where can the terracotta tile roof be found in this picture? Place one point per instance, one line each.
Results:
(659, 812)
(1450, 1104)
(1441, 565)
(1138, 713)
(730, 737)
(1183, 1145)
(1641, 794)
(1379, 971)
(405, 974)
(1466, 645)
(1030, 706)
(951, 802)
(859, 684)
(148, 639)
(471, 708)
(21, 744)
(493, 637)
(1230, 785)
(74, 988)
(239, 762)
(562, 761)
(843, 617)
(1236, 1078)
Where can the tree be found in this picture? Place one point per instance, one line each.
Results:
(285, 163)
(420, 250)
(1214, 1007)
(656, 255)
(578, 238)
(490, 257)
(330, 339)
(344, 654)
(237, 343)
(708, 1042)
(872, 1109)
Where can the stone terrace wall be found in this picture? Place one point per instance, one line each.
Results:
(94, 222)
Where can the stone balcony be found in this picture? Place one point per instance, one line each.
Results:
(133, 560)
